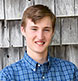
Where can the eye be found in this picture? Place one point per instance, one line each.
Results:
(34, 29)
(46, 30)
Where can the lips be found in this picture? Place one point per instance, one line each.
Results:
(40, 43)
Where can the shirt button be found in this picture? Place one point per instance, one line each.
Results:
(33, 69)
(38, 65)
(43, 77)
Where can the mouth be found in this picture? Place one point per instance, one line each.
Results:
(40, 43)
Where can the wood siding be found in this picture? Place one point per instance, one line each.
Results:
(1, 9)
(65, 40)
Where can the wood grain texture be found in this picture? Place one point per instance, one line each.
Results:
(1, 10)
(67, 52)
(22, 52)
(57, 51)
(0, 63)
(1, 56)
(56, 37)
(4, 36)
(49, 3)
(64, 8)
(16, 39)
(2, 53)
(76, 7)
(69, 30)
(11, 55)
(72, 54)
(14, 8)
(25, 43)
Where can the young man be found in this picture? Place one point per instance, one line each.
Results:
(37, 27)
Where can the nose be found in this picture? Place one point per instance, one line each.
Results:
(40, 35)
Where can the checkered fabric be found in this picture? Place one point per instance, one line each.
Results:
(27, 69)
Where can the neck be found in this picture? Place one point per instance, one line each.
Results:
(38, 57)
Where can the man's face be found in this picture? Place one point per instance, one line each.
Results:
(38, 36)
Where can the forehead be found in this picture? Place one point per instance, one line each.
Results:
(44, 22)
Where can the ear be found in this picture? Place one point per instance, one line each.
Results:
(23, 31)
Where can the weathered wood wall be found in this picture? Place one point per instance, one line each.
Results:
(65, 41)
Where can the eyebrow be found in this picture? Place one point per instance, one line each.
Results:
(34, 27)
(48, 27)
(44, 27)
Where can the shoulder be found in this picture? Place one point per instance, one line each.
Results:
(8, 71)
(12, 66)
(65, 67)
(62, 63)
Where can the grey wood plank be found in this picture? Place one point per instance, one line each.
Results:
(16, 39)
(14, 8)
(69, 30)
(49, 3)
(56, 37)
(76, 7)
(2, 52)
(1, 56)
(1, 10)
(51, 50)
(57, 51)
(11, 55)
(0, 63)
(4, 36)
(25, 43)
(72, 54)
(64, 8)
(22, 51)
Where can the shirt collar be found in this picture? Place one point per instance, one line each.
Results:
(32, 63)
(29, 61)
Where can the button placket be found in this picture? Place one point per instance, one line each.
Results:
(34, 69)
(43, 77)
(38, 65)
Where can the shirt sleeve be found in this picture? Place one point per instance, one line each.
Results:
(76, 74)
(3, 76)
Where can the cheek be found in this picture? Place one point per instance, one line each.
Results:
(49, 37)
(30, 37)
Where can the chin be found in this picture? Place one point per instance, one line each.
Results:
(40, 51)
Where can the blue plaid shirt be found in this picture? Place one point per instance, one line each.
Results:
(27, 69)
